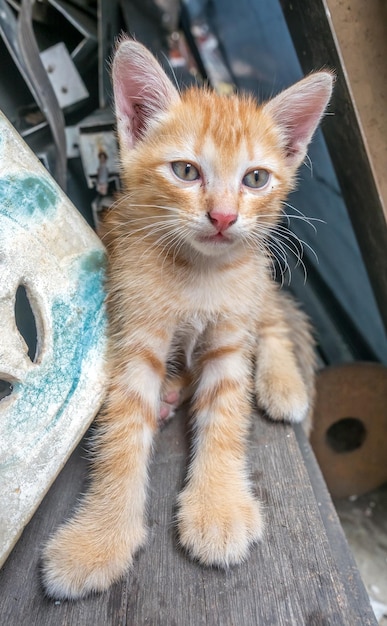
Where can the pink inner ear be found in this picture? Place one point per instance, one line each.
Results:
(298, 110)
(299, 131)
(141, 90)
(129, 110)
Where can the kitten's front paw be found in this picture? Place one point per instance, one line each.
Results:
(283, 396)
(218, 530)
(77, 561)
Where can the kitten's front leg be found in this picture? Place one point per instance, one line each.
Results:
(96, 547)
(218, 517)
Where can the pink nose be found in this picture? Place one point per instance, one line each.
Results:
(222, 221)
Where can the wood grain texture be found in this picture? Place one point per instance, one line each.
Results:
(293, 577)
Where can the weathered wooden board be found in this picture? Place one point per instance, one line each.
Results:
(294, 577)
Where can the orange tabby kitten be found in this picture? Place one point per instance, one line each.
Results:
(189, 275)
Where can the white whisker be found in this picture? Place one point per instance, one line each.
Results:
(161, 226)
(309, 164)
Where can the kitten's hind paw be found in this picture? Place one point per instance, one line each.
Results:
(175, 391)
(169, 403)
(77, 562)
(283, 398)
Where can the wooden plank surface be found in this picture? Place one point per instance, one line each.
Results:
(345, 560)
(361, 34)
(292, 577)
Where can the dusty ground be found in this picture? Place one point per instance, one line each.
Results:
(364, 520)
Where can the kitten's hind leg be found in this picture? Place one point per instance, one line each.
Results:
(218, 517)
(97, 546)
(285, 362)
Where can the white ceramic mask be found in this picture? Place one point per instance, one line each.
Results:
(46, 247)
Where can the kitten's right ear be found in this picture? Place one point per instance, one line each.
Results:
(141, 90)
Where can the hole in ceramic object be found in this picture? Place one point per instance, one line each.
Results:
(25, 321)
(6, 389)
(346, 435)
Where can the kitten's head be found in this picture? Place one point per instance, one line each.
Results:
(214, 169)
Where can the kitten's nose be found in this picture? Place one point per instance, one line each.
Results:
(222, 221)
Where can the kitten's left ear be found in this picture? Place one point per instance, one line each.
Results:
(298, 111)
(141, 90)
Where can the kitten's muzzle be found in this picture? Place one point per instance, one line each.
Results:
(222, 221)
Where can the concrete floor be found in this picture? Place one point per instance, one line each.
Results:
(364, 520)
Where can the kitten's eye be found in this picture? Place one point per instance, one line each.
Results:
(185, 171)
(256, 179)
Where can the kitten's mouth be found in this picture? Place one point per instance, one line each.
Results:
(217, 238)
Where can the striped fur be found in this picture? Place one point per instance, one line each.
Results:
(191, 303)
